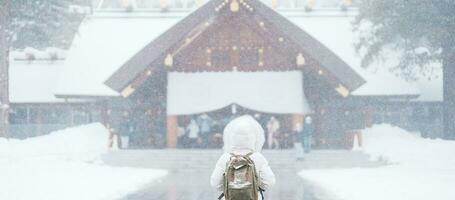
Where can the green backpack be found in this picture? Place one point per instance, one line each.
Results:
(240, 179)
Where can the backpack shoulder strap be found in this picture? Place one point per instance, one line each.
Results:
(262, 192)
(246, 155)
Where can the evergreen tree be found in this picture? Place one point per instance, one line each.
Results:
(34, 23)
(422, 32)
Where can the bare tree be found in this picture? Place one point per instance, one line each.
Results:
(4, 65)
(423, 32)
(35, 23)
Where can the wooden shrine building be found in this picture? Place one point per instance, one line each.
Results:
(162, 68)
(227, 40)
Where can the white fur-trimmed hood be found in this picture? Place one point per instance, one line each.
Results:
(243, 133)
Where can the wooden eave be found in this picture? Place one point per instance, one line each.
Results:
(312, 47)
(132, 72)
(154, 50)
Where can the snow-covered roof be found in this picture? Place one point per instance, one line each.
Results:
(216, 10)
(33, 82)
(106, 40)
(336, 32)
(31, 54)
(431, 88)
(190, 4)
(103, 43)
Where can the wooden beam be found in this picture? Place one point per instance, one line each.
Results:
(171, 136)
(169, 59)
(343, 91)
(193, 35)
(128, 91)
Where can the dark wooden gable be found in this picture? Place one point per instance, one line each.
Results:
(236, 42)
(220, 37)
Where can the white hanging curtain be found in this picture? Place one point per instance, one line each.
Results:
(270, 92)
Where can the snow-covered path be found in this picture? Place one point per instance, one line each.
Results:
(194, 186)
(190, 170)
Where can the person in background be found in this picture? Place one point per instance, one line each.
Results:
(181, 136)
(273, 125)
(126, 129)
(205, 127)
(298, 144)
(216, 136)
(193, 133)
(307, 134)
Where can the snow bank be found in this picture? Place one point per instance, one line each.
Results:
(420, 169)
(399, 146)
(65, 165)
(83, 143)
(70, 180)
(384, 183)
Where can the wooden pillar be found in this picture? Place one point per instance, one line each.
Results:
(104, 114)
(171, 136)
(368, 116)
(39, 121)
(71, 112)
(319, 123)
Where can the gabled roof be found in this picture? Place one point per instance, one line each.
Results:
(313, 47)
(107, 40)
(158, 47)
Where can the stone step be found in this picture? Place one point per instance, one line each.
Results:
(270, 160)
(204, 160)
(290, 157)
(216, 154)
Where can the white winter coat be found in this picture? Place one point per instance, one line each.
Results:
(242, 136)
(193, 130)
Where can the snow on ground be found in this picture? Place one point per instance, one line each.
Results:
(83, 143)
(65, 165)
(419, 169)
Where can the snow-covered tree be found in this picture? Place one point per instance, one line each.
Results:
(422, 32)
(35, 23)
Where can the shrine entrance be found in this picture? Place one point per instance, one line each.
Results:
(225, 55)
